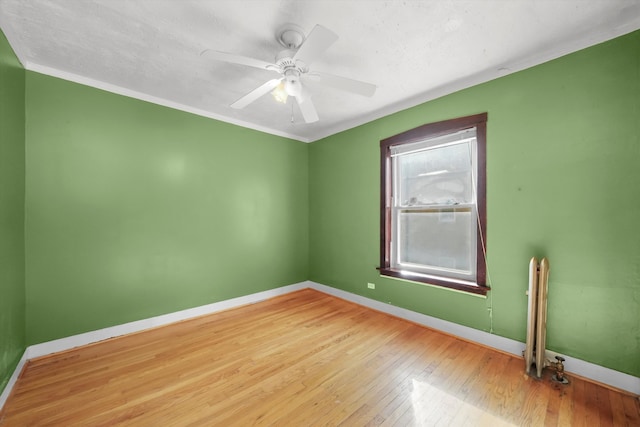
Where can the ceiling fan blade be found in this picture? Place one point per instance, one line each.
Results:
(318, 40)
(307, 109)
(238, 59)
(343, 83)
(256, 93)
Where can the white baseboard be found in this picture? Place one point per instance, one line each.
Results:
(70, 342)
(12, 381)
(579, 367)
(67, 343)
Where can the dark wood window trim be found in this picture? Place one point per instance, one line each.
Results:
(431, 130)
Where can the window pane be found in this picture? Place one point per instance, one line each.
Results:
(439, 175)
(437, 238)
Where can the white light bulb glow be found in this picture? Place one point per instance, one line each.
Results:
(280, 94)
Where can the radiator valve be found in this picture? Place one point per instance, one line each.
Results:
(559, 375)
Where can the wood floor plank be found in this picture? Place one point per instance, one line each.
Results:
(631, 410)
(301, 359)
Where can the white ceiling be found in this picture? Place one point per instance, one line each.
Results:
(413, 51)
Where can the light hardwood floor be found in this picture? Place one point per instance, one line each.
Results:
(303, 359)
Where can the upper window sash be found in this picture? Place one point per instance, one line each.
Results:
(402, 195)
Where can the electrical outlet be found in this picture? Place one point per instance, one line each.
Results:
(371, 285)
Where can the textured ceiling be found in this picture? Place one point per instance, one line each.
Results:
(413, 51)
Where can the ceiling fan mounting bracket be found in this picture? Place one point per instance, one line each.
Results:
(290, 36)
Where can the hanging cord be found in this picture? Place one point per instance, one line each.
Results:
(482, 242)
(489, 281)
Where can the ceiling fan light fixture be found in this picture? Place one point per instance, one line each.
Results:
(293, 87)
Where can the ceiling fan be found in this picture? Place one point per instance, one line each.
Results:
(292, 64)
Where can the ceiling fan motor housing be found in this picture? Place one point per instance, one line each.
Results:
(284, 60)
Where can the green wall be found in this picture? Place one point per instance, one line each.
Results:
(135, 210)
(12, 285)
(563, 150)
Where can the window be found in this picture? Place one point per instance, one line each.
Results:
(432, 204)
